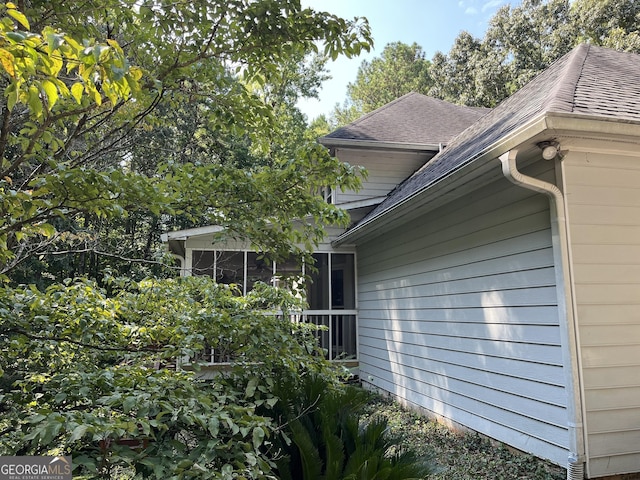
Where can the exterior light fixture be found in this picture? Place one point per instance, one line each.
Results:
(549, 149)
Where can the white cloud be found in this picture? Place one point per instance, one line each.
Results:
(468, 7)
(491, 4)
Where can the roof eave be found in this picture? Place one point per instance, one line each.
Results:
(190, 232)
(333, 143)
(445, 184)
(594, 126)
(552, 122)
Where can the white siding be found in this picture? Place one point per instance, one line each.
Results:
(603, 196)
(385, 170)
(458, 315)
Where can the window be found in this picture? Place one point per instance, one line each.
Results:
(332, 302)
(327, 193)
(202, 263)
(259, 269)
(229, 267)
(329, 286)
(233, 267)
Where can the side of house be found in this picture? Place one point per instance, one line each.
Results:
(602, 188)
(491, 274)
(460, 317)
(499, 285)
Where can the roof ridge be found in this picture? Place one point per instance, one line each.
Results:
(411, 118)
(563, 93)
(382, 108)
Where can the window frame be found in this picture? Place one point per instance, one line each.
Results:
(308, 313)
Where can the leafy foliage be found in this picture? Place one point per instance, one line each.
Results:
(400, 69)
(134, 116)
(460, 455)
(521, 41)
(524, 40)
(91, 373)
(110, 122)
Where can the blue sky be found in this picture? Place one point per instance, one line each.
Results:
(432, 24)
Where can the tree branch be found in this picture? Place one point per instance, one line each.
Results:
(111, 255)
(100, 348)
(4, 133)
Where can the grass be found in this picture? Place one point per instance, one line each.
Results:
(460, 456)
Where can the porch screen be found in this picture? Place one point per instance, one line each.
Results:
(329, 285)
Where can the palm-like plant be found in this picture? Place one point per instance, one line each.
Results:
(323, 438)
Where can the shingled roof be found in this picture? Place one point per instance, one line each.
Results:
(589, 80)
(413, 118)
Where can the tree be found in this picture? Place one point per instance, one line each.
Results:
(468, 75)
(91, 373)
(609, 23)
(70, 143)
(522, 41)
(531, 36)
(400, 69)
(87, 367)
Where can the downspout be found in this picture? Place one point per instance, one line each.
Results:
(568, 329)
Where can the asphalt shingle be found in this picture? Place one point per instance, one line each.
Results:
(588, 80)
(413, 118)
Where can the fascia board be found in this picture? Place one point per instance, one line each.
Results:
(190, 232)
(447, 187)
(367, 202)
(591, 126)
(333, 143)
(554, 123)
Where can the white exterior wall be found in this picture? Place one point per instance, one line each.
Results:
(603, 199)
(458, 315)
(385, 171)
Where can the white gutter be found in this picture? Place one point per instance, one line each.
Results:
(566, 305)
(448, 182)
(333, 143)
(550, 122)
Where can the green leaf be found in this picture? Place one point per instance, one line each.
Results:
(34, 102)
(251, 387)
(17, 37)
(77, 90)
(78, 433)
(13, 95)
(54, 40)
(213, 425)
(47, 230)
(128, 404)
(97, 52)
(19, 17)
(258, 437)
(51, 91)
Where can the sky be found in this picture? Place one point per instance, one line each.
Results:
(432, 24)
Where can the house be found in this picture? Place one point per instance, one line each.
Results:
(424, 126)
(497, 286)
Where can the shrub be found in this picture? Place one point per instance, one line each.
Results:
(322, 437)
(90, 372)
